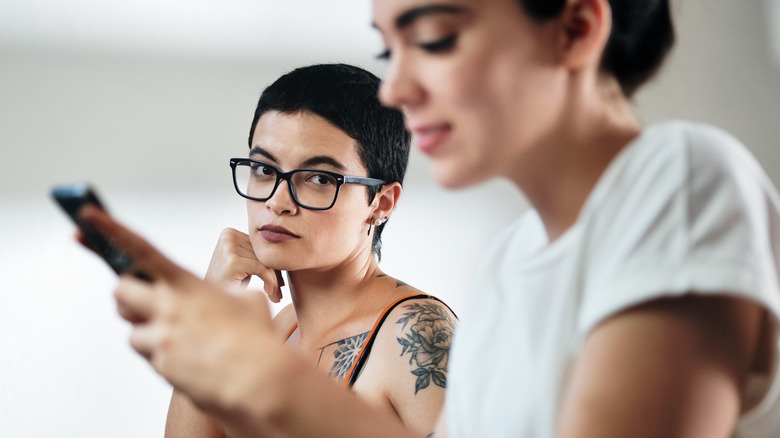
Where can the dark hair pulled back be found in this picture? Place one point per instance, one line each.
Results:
(641, 37)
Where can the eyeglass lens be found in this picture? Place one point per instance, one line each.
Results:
(311, 188)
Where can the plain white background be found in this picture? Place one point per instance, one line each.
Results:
(149, 99)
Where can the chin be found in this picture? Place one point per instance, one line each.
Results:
(275, 261)
(452, 178)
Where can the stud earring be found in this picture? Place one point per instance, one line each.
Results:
(375, 222)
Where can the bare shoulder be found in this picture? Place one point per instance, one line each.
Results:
(422, 330)
(285, 320)
(410, 357)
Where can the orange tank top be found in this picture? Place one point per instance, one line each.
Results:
(365, 350)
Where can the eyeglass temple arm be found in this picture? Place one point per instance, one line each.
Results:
(363, 180)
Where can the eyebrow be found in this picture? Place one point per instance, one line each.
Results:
(309, 162)
(257, 150)
(323, 159)
(408, 17)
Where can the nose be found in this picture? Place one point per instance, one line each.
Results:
(281, 201)
(400, 88)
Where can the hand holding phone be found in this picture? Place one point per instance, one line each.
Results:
(72, 198)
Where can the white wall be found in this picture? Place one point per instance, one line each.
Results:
(67, 370)
(153, 130)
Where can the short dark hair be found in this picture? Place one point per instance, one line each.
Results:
(642, 35)
(346, 96)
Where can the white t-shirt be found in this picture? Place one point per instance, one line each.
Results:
(684, 208)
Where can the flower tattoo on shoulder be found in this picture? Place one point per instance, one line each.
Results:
(428, 342)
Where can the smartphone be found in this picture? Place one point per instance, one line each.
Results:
(72, 197)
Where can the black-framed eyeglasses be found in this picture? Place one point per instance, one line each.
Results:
(313, 189)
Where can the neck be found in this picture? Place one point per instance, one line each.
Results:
(325, 298)
(592, 129)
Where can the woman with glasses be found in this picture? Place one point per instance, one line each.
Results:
(323, 175)
(639, 296)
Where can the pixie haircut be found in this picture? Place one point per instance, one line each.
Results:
(642, 35)
(346, 96)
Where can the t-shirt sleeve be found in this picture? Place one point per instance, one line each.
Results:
(691, 212)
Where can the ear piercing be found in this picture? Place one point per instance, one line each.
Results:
(376, 222)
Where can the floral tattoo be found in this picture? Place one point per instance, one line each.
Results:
(428, 344)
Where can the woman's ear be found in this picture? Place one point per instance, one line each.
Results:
(586, 26)
(386, 200)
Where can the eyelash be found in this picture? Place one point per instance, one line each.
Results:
(438, 46)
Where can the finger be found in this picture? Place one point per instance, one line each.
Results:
(234, 242)
(232, 268)
(274, 290)
(274, 294)
(233, 259)
(79, 236)
(241, 270)
(142, 340)
(243, 252)
(271, 281)
(238, 238)
(135, 299)
(145, 257)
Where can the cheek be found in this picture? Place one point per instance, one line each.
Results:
(253, 209)
(347, 226)
(475, 106)
(341, 228)
(479, 89)
(512, 108)
(330, 240)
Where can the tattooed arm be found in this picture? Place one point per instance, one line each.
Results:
(409, 360)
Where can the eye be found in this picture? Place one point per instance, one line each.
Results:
(440, 45)
(321, 179)
(384, 56)
(260, 170)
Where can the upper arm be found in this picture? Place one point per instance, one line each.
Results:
(410, 357)
(671, 367)
(440, 431)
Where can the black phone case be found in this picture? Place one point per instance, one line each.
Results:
(72, 198)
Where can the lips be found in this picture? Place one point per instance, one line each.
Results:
(276, 233)
(429, 137)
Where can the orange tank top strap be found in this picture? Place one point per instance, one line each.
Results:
(365, 351)
(292, 330)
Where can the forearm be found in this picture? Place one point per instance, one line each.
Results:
(186, 420)
(298, 401)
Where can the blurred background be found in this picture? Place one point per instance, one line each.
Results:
(148, 100)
